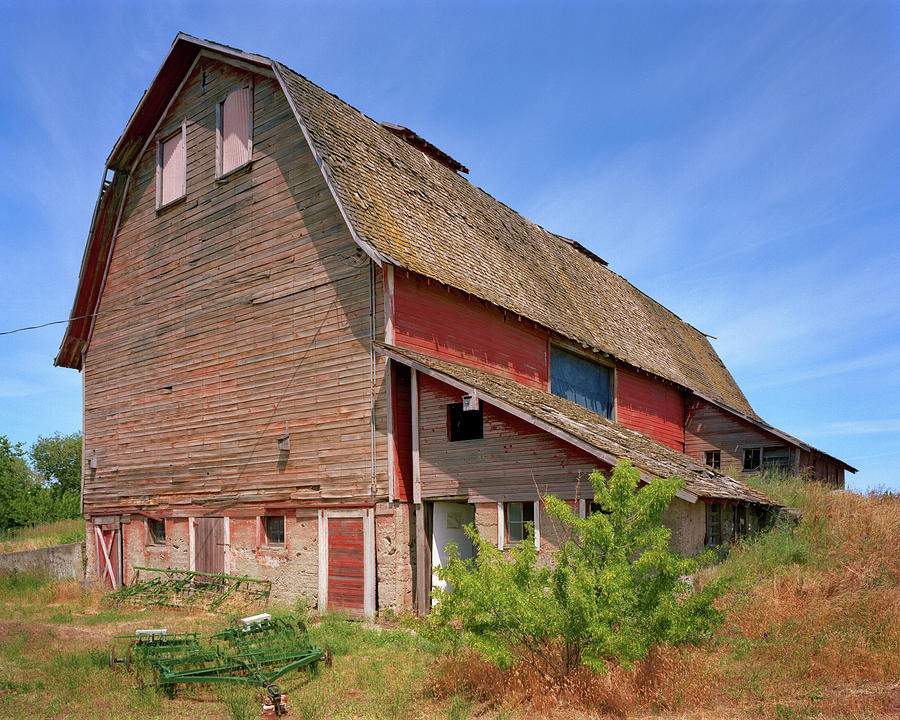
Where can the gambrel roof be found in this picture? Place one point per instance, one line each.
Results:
(414, 212)
(418, 214)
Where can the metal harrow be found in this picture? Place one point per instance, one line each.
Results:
(188, 588)
(257, 651)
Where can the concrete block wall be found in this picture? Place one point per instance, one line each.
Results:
(60, 562)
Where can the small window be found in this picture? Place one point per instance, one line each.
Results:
(714, 524)
(595, 507)
(234, 131)
(156, 531)
(170, 164)
(274, 527)
(752, 459)
(714, 459)
(464, 424)
(517, 514)
(582, 381)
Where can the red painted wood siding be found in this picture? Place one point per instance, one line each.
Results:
(402, 412)
(512, 462)
(346, 565)
(449, 324)
(650, 407)
(185, 399)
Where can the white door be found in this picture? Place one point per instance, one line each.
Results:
(448, 521)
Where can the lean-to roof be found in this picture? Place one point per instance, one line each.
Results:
(591, 432)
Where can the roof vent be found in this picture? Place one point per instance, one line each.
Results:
(420, 143)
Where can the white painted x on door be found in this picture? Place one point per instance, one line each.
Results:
(108, 559)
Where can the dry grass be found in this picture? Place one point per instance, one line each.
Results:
(660, 683)
(812, 629)
(40, 536)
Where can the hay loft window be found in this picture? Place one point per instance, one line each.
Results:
(274, 529)
(752, 459)
(464, 424)
(516, 515)
(714, 459)
(234, 131)
(582, 381)
(156, 532)
(170, 164)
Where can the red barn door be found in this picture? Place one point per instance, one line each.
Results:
(346, 565)
(347, 561)
(108, 540)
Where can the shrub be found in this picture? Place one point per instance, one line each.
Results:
(614, 590)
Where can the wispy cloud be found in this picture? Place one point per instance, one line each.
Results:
(888, 359)
(856, 427)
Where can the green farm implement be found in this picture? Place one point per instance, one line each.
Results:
(256, 651)
(187, 588)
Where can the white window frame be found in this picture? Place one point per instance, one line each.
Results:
(501, 525)
(159, 166)
(220, 119)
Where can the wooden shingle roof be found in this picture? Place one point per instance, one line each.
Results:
(418, 214)
(604, 438)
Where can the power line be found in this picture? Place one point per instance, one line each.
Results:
(349, 260)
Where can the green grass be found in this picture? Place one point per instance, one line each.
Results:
(61, 532)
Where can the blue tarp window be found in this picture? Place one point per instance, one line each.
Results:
(577, 379)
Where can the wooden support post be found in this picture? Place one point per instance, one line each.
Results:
(423, 560)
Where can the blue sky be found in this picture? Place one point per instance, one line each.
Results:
(739, 162)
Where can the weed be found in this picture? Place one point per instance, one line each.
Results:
(458, 708)
(241, 702)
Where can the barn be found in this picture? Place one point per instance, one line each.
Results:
(312, 351)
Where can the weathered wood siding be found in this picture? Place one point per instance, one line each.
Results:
(511, 460)
(446, 323)
(708, 427)
(225, 316)
(816, 467)
(651, 407)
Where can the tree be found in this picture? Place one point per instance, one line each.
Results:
(615, 588)
(16, 482)
(57, 460)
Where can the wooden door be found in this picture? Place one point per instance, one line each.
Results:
(346, 565)
(209, 545)
(109, 559)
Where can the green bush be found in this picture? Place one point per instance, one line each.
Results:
(614, 590)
